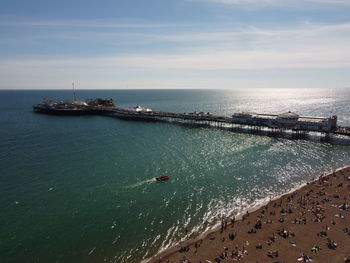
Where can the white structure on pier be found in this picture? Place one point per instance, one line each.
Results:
(288, 120)
(140, 109)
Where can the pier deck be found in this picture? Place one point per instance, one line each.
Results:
(251, 121)
(310, 123)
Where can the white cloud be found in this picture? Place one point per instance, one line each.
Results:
(278, 3)
(305, 47)
(342, 2)
(309, 46)
(94, 23)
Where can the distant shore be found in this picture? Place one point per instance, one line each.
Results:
(311, 222)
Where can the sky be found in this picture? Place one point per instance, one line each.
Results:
(174, 44)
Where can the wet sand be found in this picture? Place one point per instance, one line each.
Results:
(311, 223)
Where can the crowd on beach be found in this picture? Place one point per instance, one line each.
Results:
(312, 206)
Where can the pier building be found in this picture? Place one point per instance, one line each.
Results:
(288, 120)
(138, 108)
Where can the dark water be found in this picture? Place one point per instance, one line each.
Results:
(81, 189)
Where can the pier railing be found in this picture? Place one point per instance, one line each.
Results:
(208, 118)
(272, 122)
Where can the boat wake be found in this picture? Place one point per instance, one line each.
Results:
(140, 183)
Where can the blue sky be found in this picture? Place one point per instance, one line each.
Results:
(172, 44)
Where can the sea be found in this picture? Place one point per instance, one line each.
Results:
(82, 188)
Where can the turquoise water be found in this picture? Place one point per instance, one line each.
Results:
(81, 189)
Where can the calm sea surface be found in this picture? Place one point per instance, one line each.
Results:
(81, 189)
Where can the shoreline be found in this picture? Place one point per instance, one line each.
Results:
(180, 251)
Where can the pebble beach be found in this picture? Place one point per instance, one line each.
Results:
(310, 224)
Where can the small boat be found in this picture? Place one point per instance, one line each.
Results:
(162, 178)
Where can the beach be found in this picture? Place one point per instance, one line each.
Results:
(311, 223)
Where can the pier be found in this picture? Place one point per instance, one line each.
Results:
(288, 121)
(279, 123)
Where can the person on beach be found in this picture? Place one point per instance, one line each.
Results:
(232, 221)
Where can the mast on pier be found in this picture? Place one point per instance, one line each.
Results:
(74, 98)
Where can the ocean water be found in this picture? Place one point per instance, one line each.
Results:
(82, 189)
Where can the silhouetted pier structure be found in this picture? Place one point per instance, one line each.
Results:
(276, 123)
(251, 121)
(342, 130)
